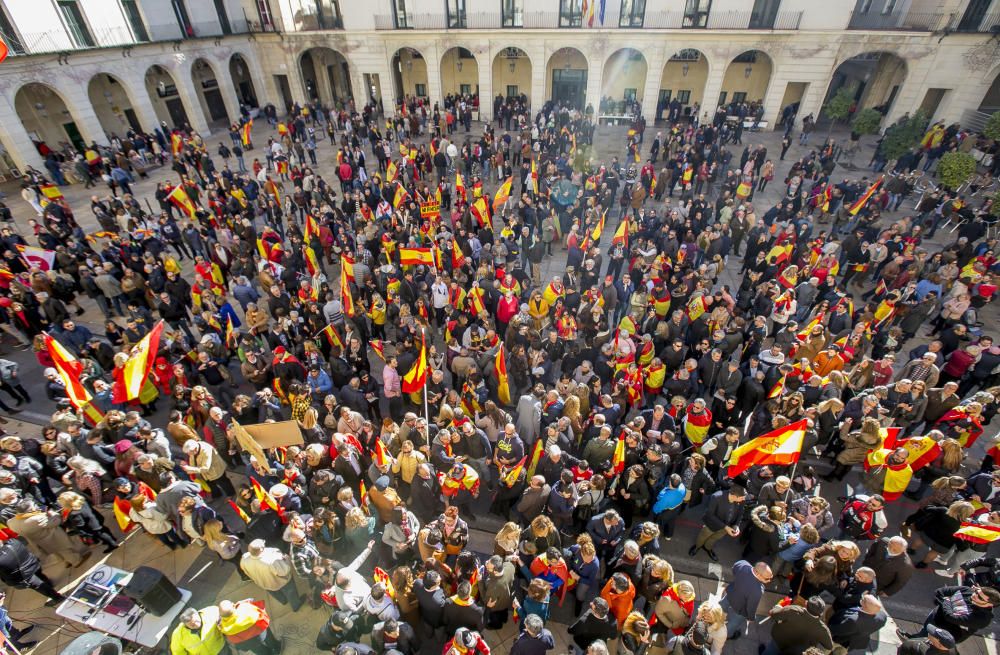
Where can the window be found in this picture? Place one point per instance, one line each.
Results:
(131, 11)
(633, 13)
(220, 10)
(696, 13)
(9, 34)
(465, 89)
(456, 14)
(722, 97)
(400, 15)
(328, 15)
(570, 13)
(180, 11)
(75, 24)
(664, 97)
(630, 95)
(864, 6)
(512, 91)
(890, 6)
(420, 90)
(513, 13)
(739, 96)
(764, 14)
(264, 12)
(684, 97)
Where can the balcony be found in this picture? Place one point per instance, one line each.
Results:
(743, 20)
(58, 41)
(911, 22)
(988, 24)
(411, 22)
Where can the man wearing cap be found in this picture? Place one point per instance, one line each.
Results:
(937, 642)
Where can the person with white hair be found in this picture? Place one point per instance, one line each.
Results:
(205, 462)
(892, 565)
(271, 570)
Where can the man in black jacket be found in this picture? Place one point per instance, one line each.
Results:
(853, 627)
(21, 569)
(462, 611)
(595, 623)
(431, 599)
(962, 611)
(723, 517)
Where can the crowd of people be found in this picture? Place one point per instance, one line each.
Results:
(399, 317)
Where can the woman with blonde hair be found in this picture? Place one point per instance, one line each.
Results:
(543, 533)
(79, 518)
(507, 539)
(945, 491)
(935, 527)
(571, 410)
(657, 575)
(675, 608)
(227, 546)
(85, 476)
(636, 635)
(712, 618)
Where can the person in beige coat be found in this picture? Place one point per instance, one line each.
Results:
(44, 533)
(205, 462)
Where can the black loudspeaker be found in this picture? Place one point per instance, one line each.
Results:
(152, 591)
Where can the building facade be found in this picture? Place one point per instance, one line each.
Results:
(81, 70)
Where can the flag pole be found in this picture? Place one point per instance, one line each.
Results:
(427, 411)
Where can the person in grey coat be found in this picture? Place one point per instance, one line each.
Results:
(534, 639)
(743, 595)
(893, 567)
(172, 492)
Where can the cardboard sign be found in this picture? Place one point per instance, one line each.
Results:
(430, 209)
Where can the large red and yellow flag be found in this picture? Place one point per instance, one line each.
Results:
(860, 203)
(69, 369)
(978, 533)
(182, 201)
(481, 211)
(140, 362)
(400, 197)
(780, 447)
(457, 256)
(595, 235)
(50, 191)
(415, 256)
(503, 193)
(382, 577)
(346, 299)
(416, 377)
(312, 229)
(534, 177)
(332, 336)
(391, 171)
(265, 498)
(460, 187)
(536, 456)
(239, 511)
(621, 234)
(510, 479)
(503, 384)
(380, 456)
(777, 389)
(618, 458)
(245, 132)
(230, 332)
(176, 143)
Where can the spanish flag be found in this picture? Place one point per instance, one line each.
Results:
(536, 456)
(245, 132)
(401, 195)
(457, 256)
(391, 172)
(481, 211)
(804, 333)
(978, 533)
(346, 299)
(860, 203)
(266, 499)
(621, 234)
(140, 361)
(380, 456)
(50, 191)
(503, 386)
(347, 266)
(777, 389)
(416, 377)
(122, 506)
(922, 451)
(696, 307)
(311, 228)
(378, 347)
(230, 332)
(780, 447)
(596, 234)
(460, 186)
(70, 369)
(534, 176)
(515, 471)
(503, 193)
(181, 200)
(382, 577)
(332, 337)
(897, 476)
(415, 256)
(618, 458)
(282, 129)
(311, 262)
(176, 143)
(239, 511)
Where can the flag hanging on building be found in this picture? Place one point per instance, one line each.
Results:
(416, 377)
(780, 447)
(503, 384)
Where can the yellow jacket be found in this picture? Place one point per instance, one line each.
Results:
(206, 641)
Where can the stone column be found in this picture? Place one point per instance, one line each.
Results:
(14, 137)
(432, 60)
(595, 81)
(484, 59)
(189, 96)
(539, 65)
(656, 59)
(713, 86)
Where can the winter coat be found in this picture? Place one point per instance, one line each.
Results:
(856, 447)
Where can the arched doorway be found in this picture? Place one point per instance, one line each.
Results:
(409, 70)
(326, 76)
(239, 71)
(206, 84)
(682, 84)
(112, 105)
(747, 78)
(873, 79)
(566, 77)
(167, 103)
(512, 74)
(459, 73)
(623, 81)
(46, 118)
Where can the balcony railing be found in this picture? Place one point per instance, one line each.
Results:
(53, 41)
(742, 20)
(910, 22)
(436, 21)
(989, 23)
